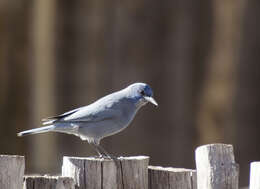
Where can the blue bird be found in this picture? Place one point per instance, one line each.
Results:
(105, 117)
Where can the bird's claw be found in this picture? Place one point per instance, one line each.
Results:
(106, 157)
(103, 157)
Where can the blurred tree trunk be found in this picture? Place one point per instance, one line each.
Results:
(247, 102)
(184, 59)
(216, 118)
(15, 85)
(44, 147)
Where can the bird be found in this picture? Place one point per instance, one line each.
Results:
(107, 116)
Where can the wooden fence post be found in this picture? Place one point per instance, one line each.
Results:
(89, 173)
(171, 178)
(216, 167)
(11, 171)
(47, 182)
(255, 175)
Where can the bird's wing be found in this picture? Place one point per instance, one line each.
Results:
(93, 114)
(105, 108)
(61, 115)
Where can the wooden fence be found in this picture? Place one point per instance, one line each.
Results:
(215, 169)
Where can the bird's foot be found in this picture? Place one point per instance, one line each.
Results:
(115, 159)
(109, 157)
(105, 157)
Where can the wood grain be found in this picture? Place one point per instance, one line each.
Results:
(96, 173)
(216, 167)
(48, 182)
(171, 178)
(11, 171)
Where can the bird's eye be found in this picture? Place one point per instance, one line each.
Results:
(142, 92)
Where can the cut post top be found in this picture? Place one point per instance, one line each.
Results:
(129, 158)
(11, 156)
(47, 176)
(217, 145)
(170, 169)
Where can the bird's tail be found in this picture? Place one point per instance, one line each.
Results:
(36, 131)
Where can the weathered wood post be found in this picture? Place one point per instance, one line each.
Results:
(11, 171)
(216, 167)
(171, 178)
(255, 175)
(90, 172)
(47, 182)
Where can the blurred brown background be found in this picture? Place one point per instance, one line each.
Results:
(200, 57)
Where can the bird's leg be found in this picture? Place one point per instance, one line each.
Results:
(105, 152)
(114, 158)
(96, 149)
(102, 151)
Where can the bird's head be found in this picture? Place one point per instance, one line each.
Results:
(142, 94)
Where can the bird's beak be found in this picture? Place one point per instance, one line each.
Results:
(151, 99)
